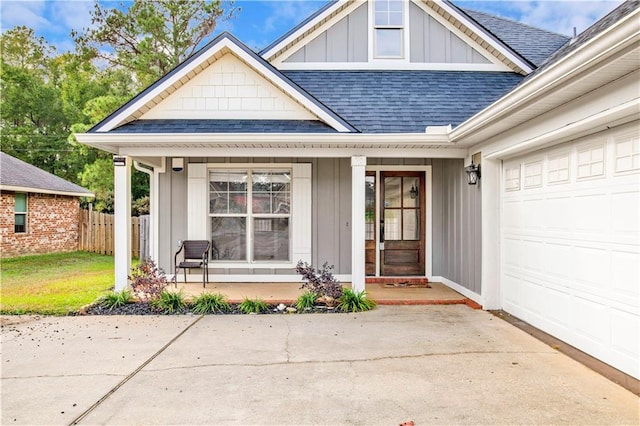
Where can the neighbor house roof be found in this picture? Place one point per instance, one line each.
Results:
(519, 36)
(16, 175)
(405, 101)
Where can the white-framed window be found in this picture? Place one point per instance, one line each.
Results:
(388, 17)
(533, 174)
(627, 154)
(558, 168)
(20, 213)
(591, 161)
(512, 178)
(250, 214)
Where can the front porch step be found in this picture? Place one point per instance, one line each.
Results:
(396, 280)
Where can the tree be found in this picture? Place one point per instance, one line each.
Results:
(152, 36)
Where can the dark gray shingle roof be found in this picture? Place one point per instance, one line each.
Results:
(405, 101)
(224, 126)
(534, 44)
(14, 172)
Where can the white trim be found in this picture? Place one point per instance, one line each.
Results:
(155, 207)
(454, 286)
(271, 140)
(597, 122)
(358, 187)
(31, 190)
(202, 61)
(197, 201)
(315, 152)
(122, 223)
(392, 64)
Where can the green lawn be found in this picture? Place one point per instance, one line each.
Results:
(53, 284)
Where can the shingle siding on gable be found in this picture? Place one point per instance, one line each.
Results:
(224, 126)
(52, 225)
(405, 101)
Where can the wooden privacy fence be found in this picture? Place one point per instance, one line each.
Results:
(97, 234)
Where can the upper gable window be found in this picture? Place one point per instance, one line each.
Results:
(389, 28)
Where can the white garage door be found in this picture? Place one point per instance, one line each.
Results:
(571, 244)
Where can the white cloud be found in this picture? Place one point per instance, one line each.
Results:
(71, 14)
(27, 13)
(554, 15)
(287, 13)
(563, 16)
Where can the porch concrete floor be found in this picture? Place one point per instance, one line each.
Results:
(438, 294)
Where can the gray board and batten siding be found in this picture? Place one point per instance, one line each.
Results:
(346, 41)
(455, 209)
(431, 42)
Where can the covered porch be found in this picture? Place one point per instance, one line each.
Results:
(383, 293)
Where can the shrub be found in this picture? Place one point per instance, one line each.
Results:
(355, 301)
(208, 303)
(306, 300)
(147, 280)
(252, 306)
(321, 282)
(170, 302)
(115, 299)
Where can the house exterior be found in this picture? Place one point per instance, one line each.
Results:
(347, 141)
(38, 211)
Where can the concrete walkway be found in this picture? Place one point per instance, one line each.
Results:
(428, 364)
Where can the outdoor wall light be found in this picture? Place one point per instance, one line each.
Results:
(473, 173)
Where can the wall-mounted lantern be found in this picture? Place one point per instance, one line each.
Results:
(473, 173)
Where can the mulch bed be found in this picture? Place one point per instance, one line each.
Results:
(142, 308)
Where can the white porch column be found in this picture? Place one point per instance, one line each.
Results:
(122, 220)
(491, 220)
(358, 166)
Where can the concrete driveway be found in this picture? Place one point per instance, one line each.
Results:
(427, 364)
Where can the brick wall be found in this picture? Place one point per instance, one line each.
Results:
(52, 225)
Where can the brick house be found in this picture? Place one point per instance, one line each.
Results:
(38, 210)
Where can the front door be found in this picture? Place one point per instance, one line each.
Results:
(402, 224)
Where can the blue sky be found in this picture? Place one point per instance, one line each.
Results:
(261, 22)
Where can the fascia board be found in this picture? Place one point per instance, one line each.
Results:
(117, 140)
(300, 31)
(598, 121)
(489, 38)
(577, 62)
(44, 191)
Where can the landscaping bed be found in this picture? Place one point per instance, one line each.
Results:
(144, 308)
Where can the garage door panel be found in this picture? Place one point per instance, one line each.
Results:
(626, 212)
(555, 308)
(570, 246)
(625, 275)
(591, 214)
(559, 260)
(591, 266)
(590, 320)
(625, 336)
(558, 214)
